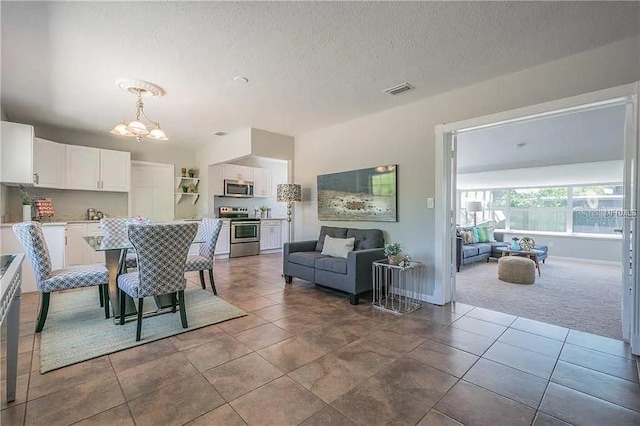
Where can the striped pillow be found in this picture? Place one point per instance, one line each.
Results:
(482, 234)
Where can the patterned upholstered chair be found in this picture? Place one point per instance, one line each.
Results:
(162, 252)
(47, 281)
(115, 227)
(210, 229)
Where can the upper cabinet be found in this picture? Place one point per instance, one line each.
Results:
(83, 168)
(16, 146)
(115, 170)
(48, 164)
(231, 171)
(27, 160)
(262, 182)
(98, 169)
(262, 178)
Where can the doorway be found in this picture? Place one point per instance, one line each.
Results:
(447, 197)
(152, 191)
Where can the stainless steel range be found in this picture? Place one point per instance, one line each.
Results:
(245, 231)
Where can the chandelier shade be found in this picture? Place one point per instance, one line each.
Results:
(135, 127)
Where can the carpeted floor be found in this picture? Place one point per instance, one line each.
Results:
(574, 294)
(76, 329)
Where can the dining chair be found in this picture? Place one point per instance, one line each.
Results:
(162, 252)
(47, 280)
(115, 228)
(204, 259)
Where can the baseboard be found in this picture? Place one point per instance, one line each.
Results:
(581, 260)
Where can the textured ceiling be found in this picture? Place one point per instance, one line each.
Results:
(310, 64)
(579, 137)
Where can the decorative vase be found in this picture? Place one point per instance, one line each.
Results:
(515, 245)
(394, 259)
(26, 212)
(184, 172)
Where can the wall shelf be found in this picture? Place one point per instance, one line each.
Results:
(178, 196)
(179, 181)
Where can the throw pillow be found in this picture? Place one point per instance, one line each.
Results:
(468, 237)
(337, 247)
(492, 237)
(482, 234)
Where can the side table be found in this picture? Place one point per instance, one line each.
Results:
(396, 288)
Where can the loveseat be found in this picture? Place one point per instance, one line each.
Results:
(304, 259)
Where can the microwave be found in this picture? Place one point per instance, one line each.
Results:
(238, 188)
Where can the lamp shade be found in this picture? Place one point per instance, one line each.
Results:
(288, 192)
(474, 206)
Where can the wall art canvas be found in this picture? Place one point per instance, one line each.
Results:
(362, 195)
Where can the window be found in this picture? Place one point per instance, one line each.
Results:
(539, 209)
(594, 209)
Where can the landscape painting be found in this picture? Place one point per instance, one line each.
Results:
(362, 195)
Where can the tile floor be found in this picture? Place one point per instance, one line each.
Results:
(305, 356)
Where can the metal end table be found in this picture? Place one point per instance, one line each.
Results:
(397, 288)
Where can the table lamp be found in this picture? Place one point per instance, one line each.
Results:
(474, 207)
(289, 192)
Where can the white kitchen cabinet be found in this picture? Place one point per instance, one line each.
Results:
(54, 235)
(75, 244)
(115, 170)
(49, 164)
(262, 182)
(270, 235)
(16, 160)
(83, 168)
(234, 172)
(78, 251)
(223, 245)
(97, 169)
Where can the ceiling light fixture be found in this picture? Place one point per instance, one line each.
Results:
(135, 128)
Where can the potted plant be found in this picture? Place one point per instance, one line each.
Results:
(27, 201)
(263, 211)
(184, 172)
(392, 251)
(185, 188)
(192, 172)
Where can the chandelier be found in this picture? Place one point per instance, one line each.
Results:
(135, 128)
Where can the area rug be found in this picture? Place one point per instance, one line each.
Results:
(76, 329)
(575, 294)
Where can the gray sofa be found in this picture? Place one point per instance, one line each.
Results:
(480, 252)
(304, 259)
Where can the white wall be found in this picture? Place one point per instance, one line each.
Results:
(405, 136)
(271, 145)
(567, 174)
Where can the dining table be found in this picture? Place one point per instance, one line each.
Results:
(115, 248)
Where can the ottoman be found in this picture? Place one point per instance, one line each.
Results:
(516, 270)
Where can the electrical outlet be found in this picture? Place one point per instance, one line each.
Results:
(429, 203)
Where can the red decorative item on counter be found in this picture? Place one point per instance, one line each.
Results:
(44, 208)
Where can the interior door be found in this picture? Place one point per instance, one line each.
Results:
(453, 192)
(630, 328)
(151, 193)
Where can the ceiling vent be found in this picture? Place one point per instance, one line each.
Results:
(220, 133)
(398, 89)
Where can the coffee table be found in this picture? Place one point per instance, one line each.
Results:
(531, 254)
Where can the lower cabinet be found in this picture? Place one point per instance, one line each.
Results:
(78, 252)
(223, 245)
(271, 235)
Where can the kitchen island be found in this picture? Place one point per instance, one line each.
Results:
(10, 291)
